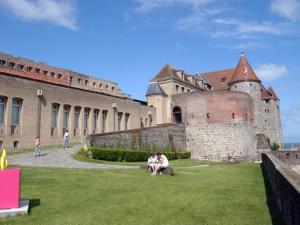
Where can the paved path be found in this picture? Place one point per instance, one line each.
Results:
(59, 158)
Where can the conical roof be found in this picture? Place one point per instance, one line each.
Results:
(155, 89)
(243, 72)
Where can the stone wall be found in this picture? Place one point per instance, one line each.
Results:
(285, 184)
(218, 124)
(155, 138)
(217, 141)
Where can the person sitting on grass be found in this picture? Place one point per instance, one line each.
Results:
(151, 160)
(161, 164)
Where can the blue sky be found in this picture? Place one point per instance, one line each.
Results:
(128, 41)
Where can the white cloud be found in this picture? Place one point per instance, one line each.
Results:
(147, 5)
(54, 11)
(286, 8)
(270, 72)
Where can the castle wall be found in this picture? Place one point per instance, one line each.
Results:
(153, 138)
(25, 132)
(218, 123)
(266, 113)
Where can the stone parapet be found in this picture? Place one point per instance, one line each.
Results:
(285, 184)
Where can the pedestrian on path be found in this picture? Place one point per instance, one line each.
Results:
(37, 151)
(66, 139)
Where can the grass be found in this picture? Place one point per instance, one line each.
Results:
(214, 195)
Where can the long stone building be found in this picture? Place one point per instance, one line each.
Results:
(41, 100)
(210, 114)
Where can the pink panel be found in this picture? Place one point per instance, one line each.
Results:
(9, 188)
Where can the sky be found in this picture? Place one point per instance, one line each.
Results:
(129, 41)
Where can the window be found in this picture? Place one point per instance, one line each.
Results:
(54, 114)
(16, 110)
(223, 79)
(11, 65)
(94, 84)
(95, 119)
(20, 67)
(37, 70)
(45, 72)
(29, 69)
(182, 89)
(233, 116)
(177, 88)
(146, 122)
(66, 116)
(2, 109)
(120, 115)
(52, 74)
(59, 76)
(150, 120)
(86, 82)
(127, 115)
(188, 90)
(207, 115)
(77, 110)
(2, 62)
(86, 118)
(71, 79)
(177, 115)
(100, 86)
(106, 87)
(79, 81)
(1, 144)
(112, 88)
(104, 120)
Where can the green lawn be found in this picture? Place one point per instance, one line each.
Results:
(214, 194)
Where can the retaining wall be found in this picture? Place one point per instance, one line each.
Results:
(155, 138)
(285, 184)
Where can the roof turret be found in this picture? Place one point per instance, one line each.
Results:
(243, 72)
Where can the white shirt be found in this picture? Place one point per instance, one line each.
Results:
(151, 159)
(66, 135)
(165, 161)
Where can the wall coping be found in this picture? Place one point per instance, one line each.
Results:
(138, 129)
(291, 176)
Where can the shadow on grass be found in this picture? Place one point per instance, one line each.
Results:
(34, 203)
(271, 201)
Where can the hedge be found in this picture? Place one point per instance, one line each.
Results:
(131, 156)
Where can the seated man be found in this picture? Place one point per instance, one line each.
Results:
(151, 160)
(162, 163)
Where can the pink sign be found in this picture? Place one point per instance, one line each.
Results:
(9, 188)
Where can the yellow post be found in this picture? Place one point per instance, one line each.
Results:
(3, 161)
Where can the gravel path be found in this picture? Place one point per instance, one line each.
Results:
(59, 158)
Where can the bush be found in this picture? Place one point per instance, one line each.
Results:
(274, 146)
(131, 156)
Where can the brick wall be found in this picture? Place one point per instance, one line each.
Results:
(156, 138)
(285, 184)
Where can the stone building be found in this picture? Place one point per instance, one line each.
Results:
(41, 100)
(221, 113)
(225, 112)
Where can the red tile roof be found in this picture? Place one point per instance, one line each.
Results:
(219, 79)
(243, 72)
(268, 93)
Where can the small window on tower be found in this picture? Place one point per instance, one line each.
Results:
(207, 115)
(233, 116)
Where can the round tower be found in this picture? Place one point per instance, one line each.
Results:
(245, 80)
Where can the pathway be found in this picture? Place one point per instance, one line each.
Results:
(59, 158)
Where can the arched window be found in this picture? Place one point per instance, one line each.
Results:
(177, 114)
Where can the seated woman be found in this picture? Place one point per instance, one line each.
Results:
(151, 160)
(162, 163)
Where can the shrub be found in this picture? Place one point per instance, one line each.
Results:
(274, 146)
(130, 156)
